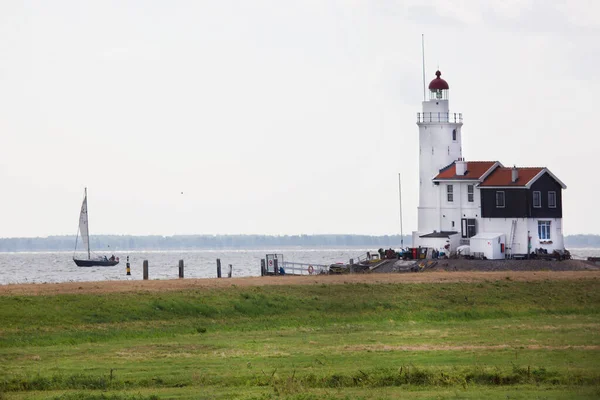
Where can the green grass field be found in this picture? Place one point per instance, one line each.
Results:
(492, 340)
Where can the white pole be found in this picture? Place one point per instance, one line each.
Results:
(423, 52)
(400, 196)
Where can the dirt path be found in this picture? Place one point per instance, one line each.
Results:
(187, 284)
(428, 347)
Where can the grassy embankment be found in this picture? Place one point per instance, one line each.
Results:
(462, 340)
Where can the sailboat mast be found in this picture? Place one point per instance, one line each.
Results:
(88, 224)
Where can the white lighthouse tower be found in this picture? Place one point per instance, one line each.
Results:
(439, 146)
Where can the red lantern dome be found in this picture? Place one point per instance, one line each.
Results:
(438, 83)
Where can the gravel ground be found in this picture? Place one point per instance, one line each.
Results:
(491, 265)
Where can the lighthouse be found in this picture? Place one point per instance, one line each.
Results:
(439, 146)
(493, 210)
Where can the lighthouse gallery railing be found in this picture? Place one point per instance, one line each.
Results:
(455, 118)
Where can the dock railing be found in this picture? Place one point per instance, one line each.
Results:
(364, 257)
(295, 268)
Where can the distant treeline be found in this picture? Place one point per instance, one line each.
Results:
(582, 241)
(191, 242)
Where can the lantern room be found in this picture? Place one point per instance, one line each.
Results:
(438, 88)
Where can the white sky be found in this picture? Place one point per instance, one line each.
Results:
(280, 117)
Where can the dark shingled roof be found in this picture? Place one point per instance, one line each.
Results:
(442, 234)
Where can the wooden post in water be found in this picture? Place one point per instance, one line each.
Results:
(145, 270)
(218, 267)
(230, 271)
(181, 269)
(263, 266)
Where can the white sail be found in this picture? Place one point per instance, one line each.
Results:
(83, 225)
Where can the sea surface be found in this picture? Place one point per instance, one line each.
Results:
(51, 267)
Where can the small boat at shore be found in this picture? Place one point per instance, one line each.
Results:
(83, 231)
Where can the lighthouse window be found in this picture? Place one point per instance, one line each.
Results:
(470, 193)
(454, 134)
(450, 193)
(500, 199)
(552, 199)
(544, 230)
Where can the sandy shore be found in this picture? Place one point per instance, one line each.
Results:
(191, 284)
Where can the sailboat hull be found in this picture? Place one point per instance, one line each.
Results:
(94, 263)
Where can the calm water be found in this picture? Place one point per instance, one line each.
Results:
(40, 267)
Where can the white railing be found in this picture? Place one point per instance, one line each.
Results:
(361, 258)
(455, 118)
(295, 268)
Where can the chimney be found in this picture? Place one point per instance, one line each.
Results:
(461, 166)
(514, 174)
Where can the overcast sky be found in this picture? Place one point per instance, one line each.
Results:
(280, 117)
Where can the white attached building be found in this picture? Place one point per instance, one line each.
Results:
(460, 199)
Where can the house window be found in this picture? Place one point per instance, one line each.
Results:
(500, 199)
(537, 199)
(454, 134)
(552, 199)
(544, 230)
(450, 192)
(470, 193)
(467, 227)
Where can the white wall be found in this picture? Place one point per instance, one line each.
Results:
(556, 235)
(525, 227)
(460, 207)
(490, 246)
(434, 243)
(440, 217)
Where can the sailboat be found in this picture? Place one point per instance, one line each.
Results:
(96, 261)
